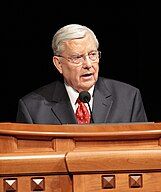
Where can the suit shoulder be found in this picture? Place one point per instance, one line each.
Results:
(116, 87)
(112, 83)
(45, 91)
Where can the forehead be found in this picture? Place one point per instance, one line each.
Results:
(82, 45)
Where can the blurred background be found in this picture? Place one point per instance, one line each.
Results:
(129, 36)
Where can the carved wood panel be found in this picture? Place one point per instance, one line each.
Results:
(54, 183)
(119, 182)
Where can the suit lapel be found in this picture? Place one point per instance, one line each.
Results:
(102, 102)
(64, 112)
(61, 106)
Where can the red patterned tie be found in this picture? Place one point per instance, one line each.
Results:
(82, 113)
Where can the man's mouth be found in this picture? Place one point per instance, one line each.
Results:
(87, 75)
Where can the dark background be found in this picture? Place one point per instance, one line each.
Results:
(129, 36)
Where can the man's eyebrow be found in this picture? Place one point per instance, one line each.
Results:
(76, 54)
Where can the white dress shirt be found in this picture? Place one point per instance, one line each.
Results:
(73, 95)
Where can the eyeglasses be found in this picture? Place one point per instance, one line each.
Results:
(79, 59)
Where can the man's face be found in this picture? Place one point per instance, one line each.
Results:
(79, 76)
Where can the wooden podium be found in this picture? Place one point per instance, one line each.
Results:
(80, 158)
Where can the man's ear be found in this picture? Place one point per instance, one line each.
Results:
(57, 63)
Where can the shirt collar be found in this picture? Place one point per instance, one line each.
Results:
(73, 94)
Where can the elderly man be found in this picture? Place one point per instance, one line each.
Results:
(76, 57)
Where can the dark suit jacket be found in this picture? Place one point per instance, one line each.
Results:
(114, 102)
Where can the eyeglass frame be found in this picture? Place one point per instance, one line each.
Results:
(83, 57)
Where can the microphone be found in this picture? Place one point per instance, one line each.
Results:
(85, 97)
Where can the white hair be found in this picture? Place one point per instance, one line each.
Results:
(69, 32)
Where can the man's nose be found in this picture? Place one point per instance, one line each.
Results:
(87, 62)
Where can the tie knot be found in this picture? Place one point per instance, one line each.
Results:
(78, 101)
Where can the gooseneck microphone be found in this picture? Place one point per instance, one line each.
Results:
(85, 97)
